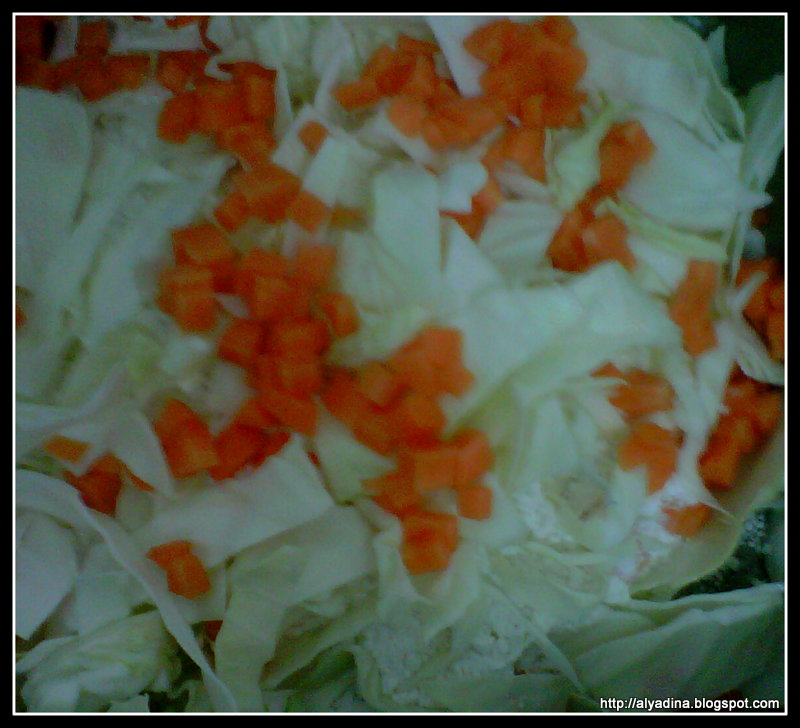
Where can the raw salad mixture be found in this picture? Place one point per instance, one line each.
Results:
(390, 363)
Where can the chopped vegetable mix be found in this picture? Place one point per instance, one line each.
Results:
(393, 319)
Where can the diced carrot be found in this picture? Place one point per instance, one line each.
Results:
(342, 398)
(92, 38)
(313, 135)
(566, 250)
(604, 238)
(489, 197)
(267, 298)
(719, 464)
(474, 458)
(272, 444)
(237, 445)
(219, 104)
(443, 349)
(251, 142)
(190, 450)
(472, 117)
(691, 306)
(471, 223)
(420, 83)
(488, 43)
(233, 212)
(164, 554)
(99, 491)
(419, 523)
(608, 370)
(531, 111)
(187, 577)
(383, 59)
(171, 73)
(301, 376)
(172, 418)
(340, 312)
(767, 413)
(512, 81)
(269, 190)
(297, 413)
(314, 264)
(748, 266)
(777, 294)
(308, 211)
(416, 418)
(66, 448)
(475, 502)
(654, 447)
(776, 325)
(378, 383)
(202, 245)
(407, 114)
(407, 44)
(562, 65)
(93, 78)
(432, 133)
(241, 342)
(641, 394)
(187, 294)
(525, 147)
(29, 36)
(373, 429)
(563, 109)
(252, 414)
(430, 467)
(178, 117)
(258, 262)
(413, 367)
(358, 94)
(300, 337)
(37, 74)
(128, 71)
(259, 96)
(425, 557)
(559, 27)
(394, 493)
(739, 432)
(688, 520)
(393, 72)
(625, 146)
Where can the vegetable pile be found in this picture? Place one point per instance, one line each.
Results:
(389, 363)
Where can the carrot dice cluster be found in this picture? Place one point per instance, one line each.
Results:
(766, 308)
(293, 317)
(186, 575)
(421, 103)
(393, 408)
(99, 486)
(585, 239)
(691, 306)
(641, 393)
(94, 71)
(533, 69)
(753, 411)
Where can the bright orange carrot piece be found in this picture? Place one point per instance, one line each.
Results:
(475, 502)
(687, 520)
(313, 135)
(691, 306)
